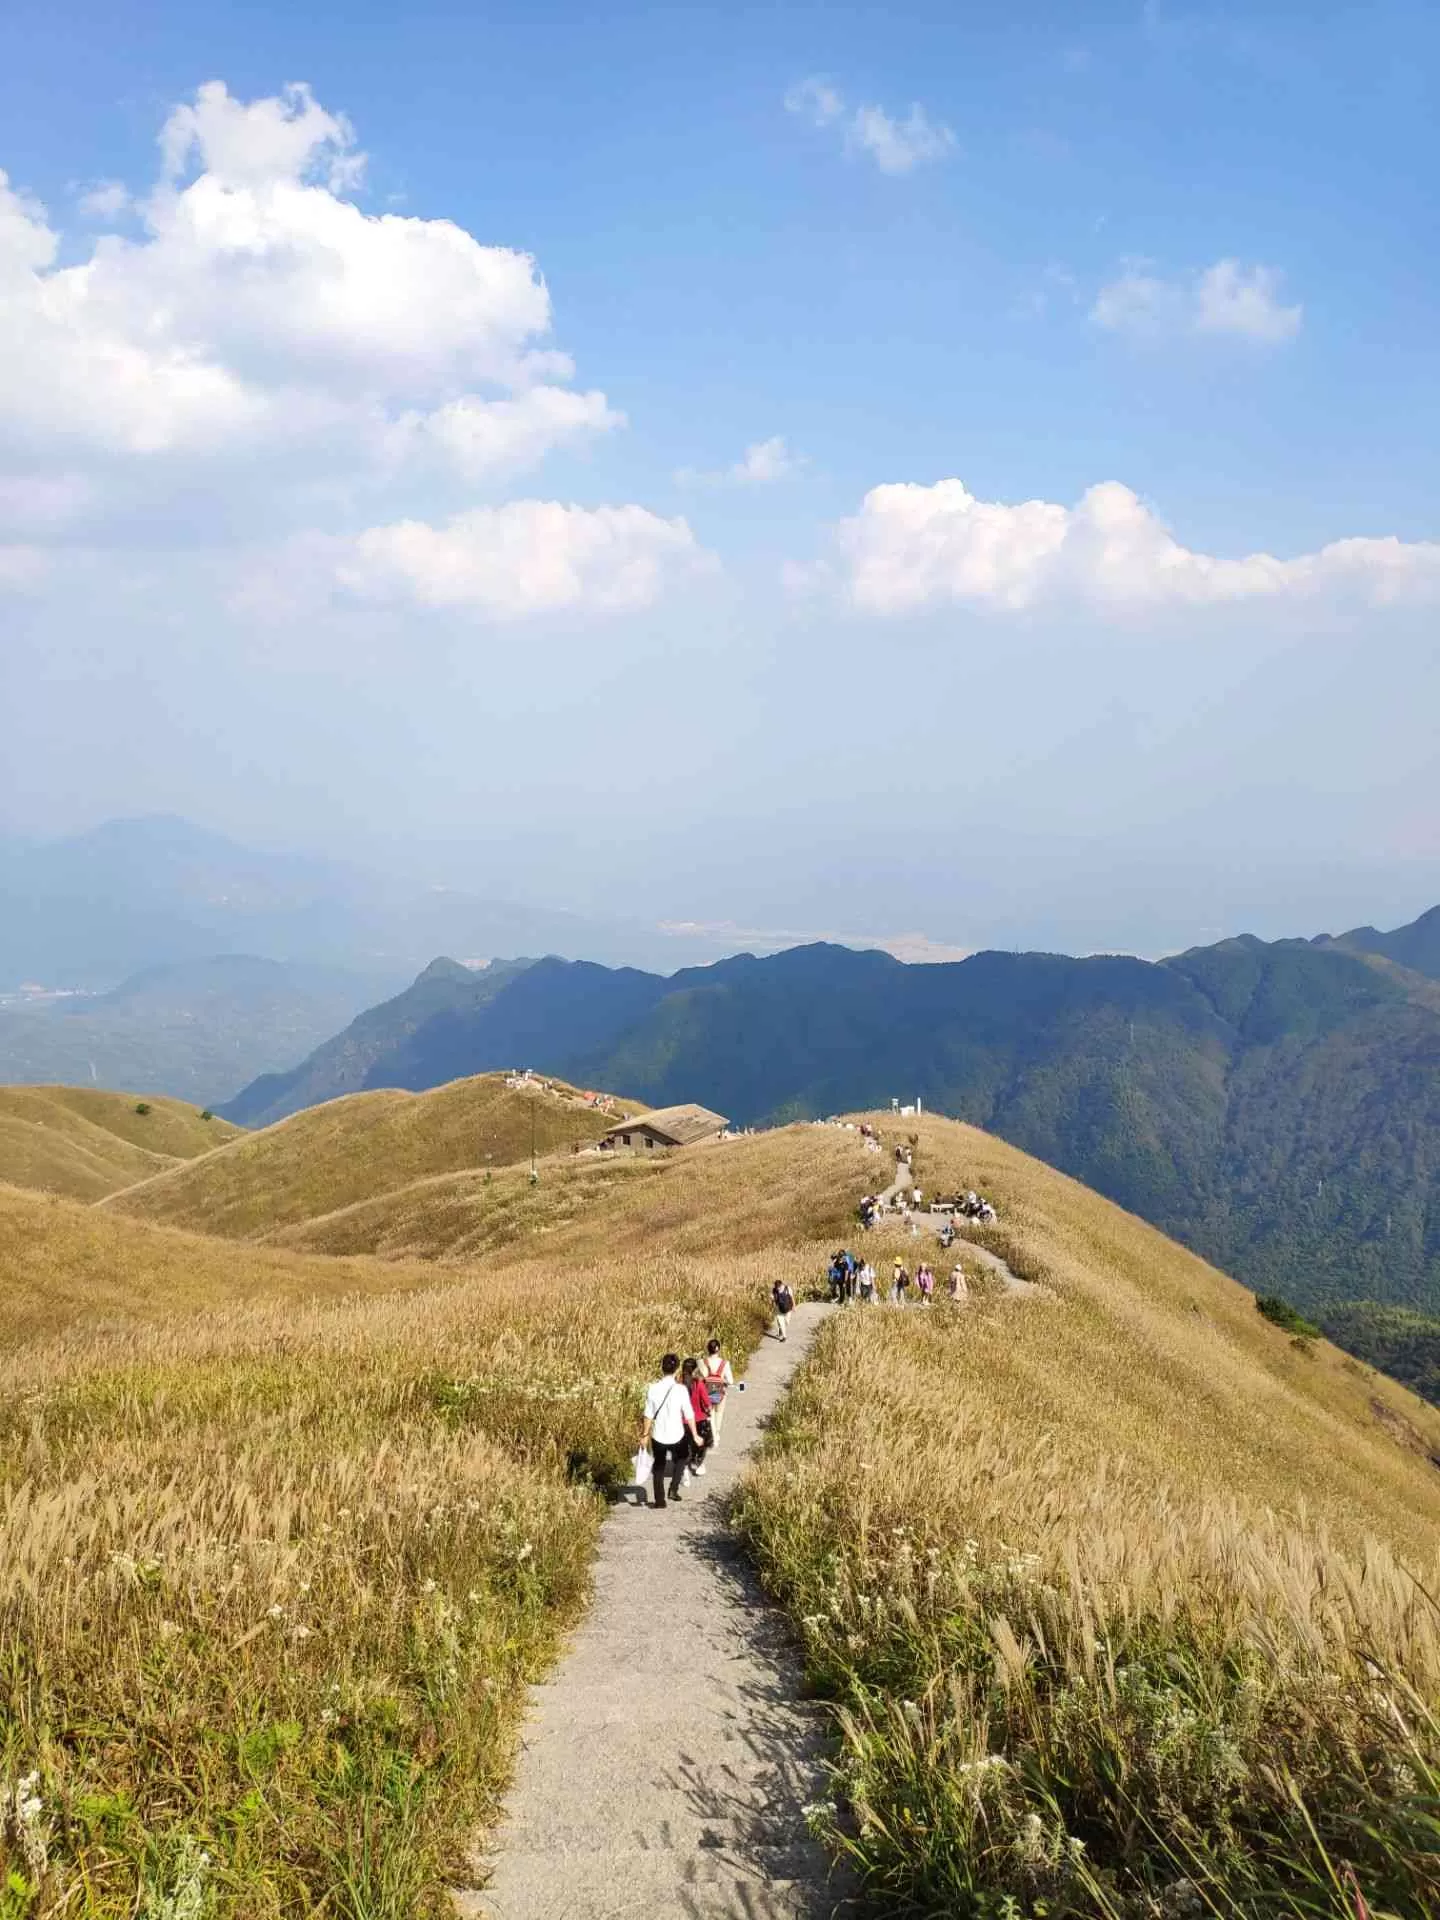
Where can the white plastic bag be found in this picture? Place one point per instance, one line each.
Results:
(643, 1464)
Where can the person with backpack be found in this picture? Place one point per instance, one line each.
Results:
(700, 1407)
(670, 1431)
(902, 1285)
(719, 1378)
(784, 1301)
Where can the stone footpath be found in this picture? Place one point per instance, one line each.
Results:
(670, 1756)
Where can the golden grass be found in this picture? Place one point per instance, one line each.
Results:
(86, 1142)
(284, 1528)
(1146, 1569)
(344, 1152)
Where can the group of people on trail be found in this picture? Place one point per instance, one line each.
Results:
(684, 1414)
(923, 1281)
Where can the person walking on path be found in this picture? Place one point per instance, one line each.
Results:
(719, 1378)
(700, 1407)
(925, 1281)
(669, 1427)
(865, 1285)
(958, 1289)
(784, 1301)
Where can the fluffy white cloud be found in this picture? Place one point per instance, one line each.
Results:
(526, 557)
(762, 463)
(261, 324)
(1224, 298)
(896, 146)
(913, 547)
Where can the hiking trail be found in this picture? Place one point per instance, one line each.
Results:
(668, 1759)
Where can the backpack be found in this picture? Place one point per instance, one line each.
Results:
(784, 1299)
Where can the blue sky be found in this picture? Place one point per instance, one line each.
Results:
(1130, 311)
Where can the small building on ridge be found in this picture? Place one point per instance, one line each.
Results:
(666, 1127)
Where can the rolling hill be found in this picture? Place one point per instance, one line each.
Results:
(1275, 1105)
(317, 1520)
(86, 1143)
(350, 1149)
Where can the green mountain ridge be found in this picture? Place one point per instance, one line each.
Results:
(1275, 1105)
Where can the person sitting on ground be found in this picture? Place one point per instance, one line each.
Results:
(784, 1301)
(958, 1289)
(669, 1427)
(700, 1407)
(719, 1378)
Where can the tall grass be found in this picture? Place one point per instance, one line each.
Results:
(1130, 1609)
(273, 1574)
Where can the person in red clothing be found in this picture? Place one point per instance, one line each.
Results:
(700, 1406)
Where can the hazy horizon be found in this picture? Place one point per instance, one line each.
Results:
(875, 473)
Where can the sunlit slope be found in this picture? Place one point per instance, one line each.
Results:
(359, 1146)
(86, 1142)
(67, 1268)
(1147, 1365)
(771, 1190)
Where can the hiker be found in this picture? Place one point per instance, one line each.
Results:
(669, 1427)
(925, 1281)
(784, 1301)
(700, 1405)
(718, 1381)
(958, 1289)
(865, 1285)
(837, 1279)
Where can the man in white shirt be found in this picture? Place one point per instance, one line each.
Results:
(669, 1427)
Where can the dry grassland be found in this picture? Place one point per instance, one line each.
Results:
(275, 1566)
(1127, 1597)
(85, 1142)
(344, 1152)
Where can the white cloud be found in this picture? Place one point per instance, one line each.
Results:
(896, 146)
(762, 463)
(106, 200)
(526, 557)
(262, 331)
(1224, 298)
(912, 548)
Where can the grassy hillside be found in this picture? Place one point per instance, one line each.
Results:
(1114, 1583)
(85, 1142)
(341, 1153)
(283, 1534)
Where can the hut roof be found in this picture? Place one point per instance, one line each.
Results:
(680, 1124)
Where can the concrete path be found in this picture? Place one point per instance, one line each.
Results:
(668, 1760)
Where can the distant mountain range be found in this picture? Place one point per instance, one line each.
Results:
(1275, 1105)
(199, 1030)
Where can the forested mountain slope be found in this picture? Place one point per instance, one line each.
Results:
(1276, 1105)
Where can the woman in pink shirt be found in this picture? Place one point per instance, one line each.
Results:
(700, 1407)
